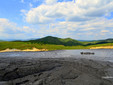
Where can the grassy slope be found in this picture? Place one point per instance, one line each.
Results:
(54, 43)
(57, 41)
(99, 42)
(1, 40)
(28, 45)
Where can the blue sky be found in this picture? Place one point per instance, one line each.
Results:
(78, 19)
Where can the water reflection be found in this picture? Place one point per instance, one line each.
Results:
(100, 54)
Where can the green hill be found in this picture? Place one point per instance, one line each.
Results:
(54, 43)
(96, 42)
(99, 42)
(105, 41)
(1, 40)
(57, 41)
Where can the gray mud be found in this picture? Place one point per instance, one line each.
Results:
(48, 71)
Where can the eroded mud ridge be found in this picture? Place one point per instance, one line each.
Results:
(15, 71)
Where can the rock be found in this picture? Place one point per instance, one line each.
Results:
(54, 72)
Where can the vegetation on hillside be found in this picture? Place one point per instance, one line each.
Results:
(29, 45)
(54, 43)
(98, 42)
(57, 41)
(1, 40)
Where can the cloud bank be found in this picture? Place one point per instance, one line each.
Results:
(78, 19)
(81, 10)
(10, 30)
(75, 18)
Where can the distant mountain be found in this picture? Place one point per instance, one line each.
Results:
(1, 40)
(65, 41)
(110, 40)
(86, 40)
(57, 41)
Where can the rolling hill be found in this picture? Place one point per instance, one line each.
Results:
(110, 40)
(57, 41)
(1, 40)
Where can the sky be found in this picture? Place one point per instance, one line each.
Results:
(77, 19)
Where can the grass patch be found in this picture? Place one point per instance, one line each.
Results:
(29, 45)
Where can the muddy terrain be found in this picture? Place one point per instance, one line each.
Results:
(60, 71)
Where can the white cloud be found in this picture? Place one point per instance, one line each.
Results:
(31, 5)
(50, 1)
(6, 25)
(23, 13)
(82, 10)
(87, 29)
(10, 30)
(93, 29)
(35, 15)
(22, 1)
(104, 31)
(96, 3)
(83, 19)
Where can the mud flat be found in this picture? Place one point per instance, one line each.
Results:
(59, 71)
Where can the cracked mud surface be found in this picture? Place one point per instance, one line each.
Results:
(15, 71)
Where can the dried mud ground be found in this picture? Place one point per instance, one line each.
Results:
(48, 71)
